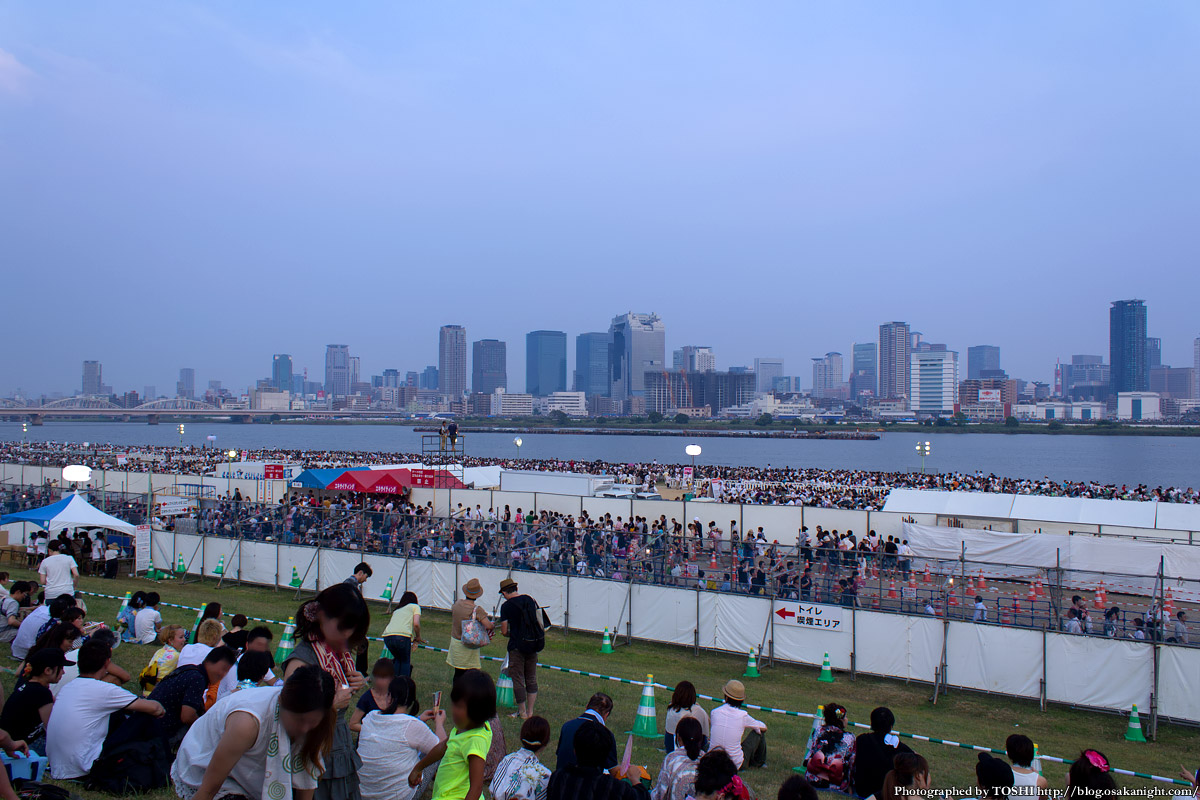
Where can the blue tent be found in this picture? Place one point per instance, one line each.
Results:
(70, 512)
(320, 478)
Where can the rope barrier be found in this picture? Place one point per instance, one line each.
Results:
(766, 709)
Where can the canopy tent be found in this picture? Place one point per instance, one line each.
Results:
(71, 512)
(320, 478)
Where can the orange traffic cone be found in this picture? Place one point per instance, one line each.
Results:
(712, 561)
(1016, 603)
(912, 584)
(1038, 589)
(1032, 595)
(1005, 612)
(875, 601)
(953, 601)
(980, 583)
(892, 589)
(1169, 605)
(1100, 600)
(928, 578)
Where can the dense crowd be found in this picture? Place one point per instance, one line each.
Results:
(827, 488)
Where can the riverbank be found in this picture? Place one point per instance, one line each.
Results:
(830, 434)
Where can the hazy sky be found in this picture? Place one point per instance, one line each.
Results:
(205, 185)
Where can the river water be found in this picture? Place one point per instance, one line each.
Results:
(1152, 460)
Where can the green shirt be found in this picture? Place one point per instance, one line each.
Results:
(454, 775)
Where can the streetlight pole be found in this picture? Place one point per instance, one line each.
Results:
(693, 450)
(517, 441)
(232, 454)
(181, 434)
(923, 450)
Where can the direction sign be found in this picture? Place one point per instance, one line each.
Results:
(810, 615)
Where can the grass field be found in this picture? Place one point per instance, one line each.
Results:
(959, 716)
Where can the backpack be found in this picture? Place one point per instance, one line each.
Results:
(131, 768)
(533, 632)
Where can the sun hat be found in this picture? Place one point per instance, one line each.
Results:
(734, 690)
(472, 589)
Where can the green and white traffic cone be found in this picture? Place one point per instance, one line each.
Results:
(606, 642)
(1133, 733)
(220, 570)
(504, 692)
(152, 573)
(296, 581)
(826, 675)
(180, 566)
(645, 725)
(287, 642)
(387, 593)
(751, 666)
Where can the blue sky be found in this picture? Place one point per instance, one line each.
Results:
(205, 185)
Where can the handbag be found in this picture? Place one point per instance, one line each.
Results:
(474, 635)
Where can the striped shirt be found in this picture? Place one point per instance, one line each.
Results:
(520, 776)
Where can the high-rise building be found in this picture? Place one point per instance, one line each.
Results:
(934, 381)
(982, 357)
(489, 366)
(1153, 352)
(895, 350)
(666, 392)
(149, 393)
(827, 376)
(766, 370)
(337, 370)
(591, 364)
(864, 370)
(637, 345)
(1174, 383)
(391, 379)
(91, 378)
(1127, 346)
(428, 379)
(1196, 368)
(694, 358)
(452, 361)
(412, 379)
(545, 362)
(186, 386)
(355, 371)
(281, 372)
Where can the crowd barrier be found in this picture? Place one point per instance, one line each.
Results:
(1087, 671)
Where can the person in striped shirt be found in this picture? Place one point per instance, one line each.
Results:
(521, 775)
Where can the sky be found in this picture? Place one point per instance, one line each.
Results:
(204, 185)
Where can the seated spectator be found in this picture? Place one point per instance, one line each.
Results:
(586, 778)
(147, 621)
(127, 616)
(62, 637)
(1021, 753)
(740, 735)
(184, 693)
(211, 611)
(463, 754)
(32, 625)
(717, 778)
(678, 774)
(376, 696)
(797, 788)
(258, 640)
(208, 636)
(829, 759)
(521, 775)
(875, 753)
(116, 674)
(993, 776)
(27, 709)
(165, 659)
(10, 609)
(598, 710)
(235, 639)
(393, 739)
(79, 721)
(683, 704)
(1090, 777)
(254, 670)
(909, 773)
(251, 743)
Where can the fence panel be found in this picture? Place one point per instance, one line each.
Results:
(898, 646)
(597, 507)
(597, 604)
(809, 645)
(559, 503)
(779, 523)
(1178, 673)
(258, 563)
(1098, 672)
(994, 659)
(741, 622)
(663, 614)
(301, 559)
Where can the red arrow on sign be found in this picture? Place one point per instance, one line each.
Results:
(784, 613)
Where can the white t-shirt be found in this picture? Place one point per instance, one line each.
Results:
(202, 739)
(193, 654)
(27, 633)
(727, 725)
(143, 625)
(390, 745)
(70, 673)
(229, 683)
(78, 724)
(57, 569)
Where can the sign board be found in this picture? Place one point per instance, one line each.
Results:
(141, 548)
(810, 615)
(274, 472)
(424, 477)
(687, 473)
(989, 397)
(172, 505)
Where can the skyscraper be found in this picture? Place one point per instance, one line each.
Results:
(895, 349)
(91, 378)
(864, 370)
(489, 366)
(1153, 352)
(934, 387)
(355, 371)
(1127, 346)
(337, 370)
(452, 361)
(1196, 368)
(694, 358)
(591, 364)
(281, 372)
(545, 362)
(766, 370)
(982, 357)
(428, 379)
(637, 345)
(827, 376)
(186, 386)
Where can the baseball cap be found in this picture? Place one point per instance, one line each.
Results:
(46, 659)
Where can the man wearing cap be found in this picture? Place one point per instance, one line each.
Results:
(518, 618)
(461, 657)
(741, 735)
(28, 708)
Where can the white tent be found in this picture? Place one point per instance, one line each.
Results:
(73, 511)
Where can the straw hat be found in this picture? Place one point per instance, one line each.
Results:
(734, 690)
(472, 589)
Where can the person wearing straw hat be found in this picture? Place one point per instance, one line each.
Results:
(462, 657)
(739, 734)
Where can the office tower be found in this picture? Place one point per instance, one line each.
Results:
(391, 378)
(545, 362)
(281, 372)
(694, 358)
(766, 370)
(428, 379)
(895, 349)
(1174, 383)
(355, 371)
(186, 386)
(1196, 368)
(637, 345)
(1127, 346)
(827, 376)
(864, 370)
(412, 378)
(337, 370)
(489, 366)
(452, 361)
(1153, 352)
(149, 393)
(666, 392)
(591, 364)
(91, 378)
(982, 357)
(934, 378)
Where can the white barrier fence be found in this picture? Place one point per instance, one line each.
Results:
(1056, 667)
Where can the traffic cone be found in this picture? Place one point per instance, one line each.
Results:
(892, 595)
(826, 675)
(928, 578)
(296, 580)
(751, 666)
(1032, 595)
(180, 566)
(1169, 605)
(220, 569)
(980, 583)
(606, 642)
(1038, 589)
(712, 560)
(387, 592)
(912, 584)
(645, 725)
(196, 626)
(504, 692)
(287, 643)
(153, 574)
(1133, 733)
(1016, 603)
(1100, 600)
(953, 601)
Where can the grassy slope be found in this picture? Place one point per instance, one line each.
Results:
(960, 716)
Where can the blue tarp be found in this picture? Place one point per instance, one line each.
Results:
(320, 478)
(71, 512)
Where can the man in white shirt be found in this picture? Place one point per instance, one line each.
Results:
(27, 633)
(980, 614)
(729, 723)
(10, 610)
(58, 572)
(80, 718)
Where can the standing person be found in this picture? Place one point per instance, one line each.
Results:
(462, 755)
(403, 633)
(683, 704)
(736, 732)
(461, 657)
(677, 778)
(830, 756)
(520, 622)
(362, 573)
(393, 739)
(980, 612)
(442, 433)
(521, 775)
(329, 629)
(875, 753)
(58, 572)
